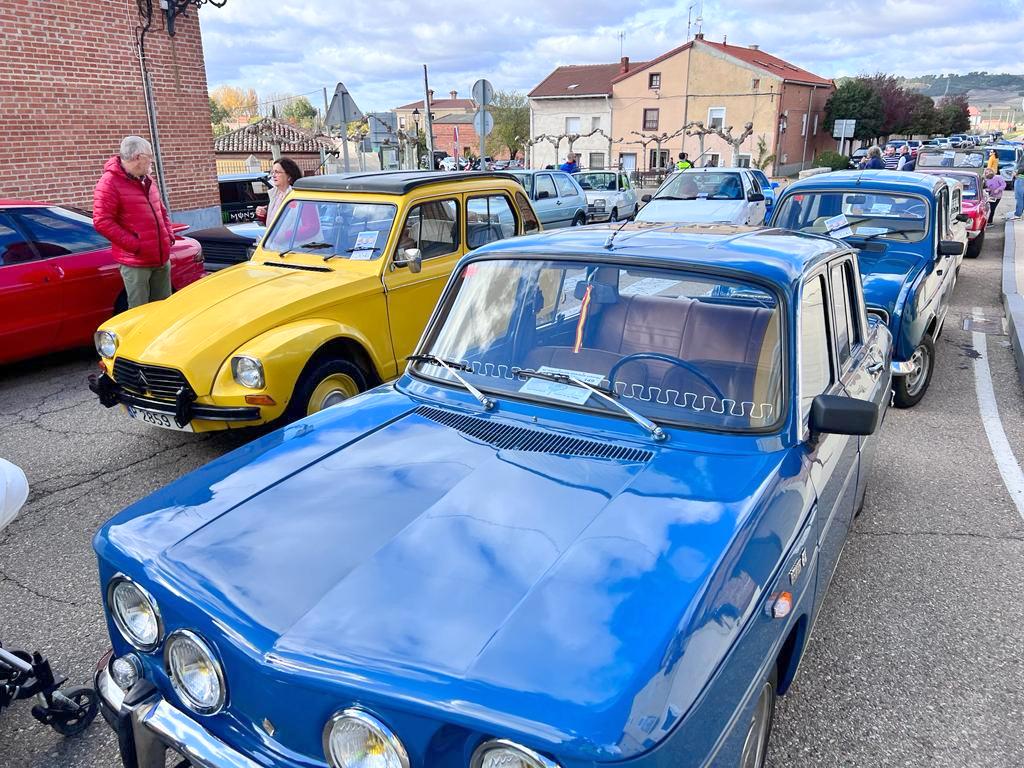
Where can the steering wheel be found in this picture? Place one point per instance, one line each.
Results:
(665, 359)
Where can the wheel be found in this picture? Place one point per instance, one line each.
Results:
(73, 723)
(327, 383)
(974, 246)
(910, 389)
(121, 305)
(580, 220)
(755, 746)
(614, 216)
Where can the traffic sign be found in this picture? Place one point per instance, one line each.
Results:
(844, 129)
(343, 109)
(483, 92)
(483, 122)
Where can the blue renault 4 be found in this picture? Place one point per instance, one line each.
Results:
(593, 523)
(910, 246)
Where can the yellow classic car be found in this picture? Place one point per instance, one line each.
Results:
(334, 298)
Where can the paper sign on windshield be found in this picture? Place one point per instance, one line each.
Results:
(567, 393)
(363, 249)
(838, 226)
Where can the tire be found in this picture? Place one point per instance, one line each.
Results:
(755, 746)
(974, 246)
(910, 389)
(86, 698)
(324, 384)
(580, 220)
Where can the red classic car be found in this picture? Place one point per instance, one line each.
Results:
(973, 205)
(58, 280)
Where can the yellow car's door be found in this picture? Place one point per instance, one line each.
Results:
(434, 226)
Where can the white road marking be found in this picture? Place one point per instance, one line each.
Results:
(1013, 477)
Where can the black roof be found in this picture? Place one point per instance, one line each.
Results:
(389, 182)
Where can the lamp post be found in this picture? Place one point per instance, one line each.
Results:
(416, 133)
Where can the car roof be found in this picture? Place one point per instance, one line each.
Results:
(903, 181)
(390, 182)
(251, 176)
(777, 255)
(13, 203)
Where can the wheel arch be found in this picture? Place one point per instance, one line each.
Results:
(787, 662)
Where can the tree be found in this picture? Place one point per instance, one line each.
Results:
(511, 123)
(762, 160)
(954, 115)
(240, 104)
(896, 103)
(923, 117)
(856, 99)
(217, 112)
(300, 112)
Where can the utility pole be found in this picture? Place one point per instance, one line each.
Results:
(428, 123)
(326, 107)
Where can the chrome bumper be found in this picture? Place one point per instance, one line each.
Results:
(147, 728)
(901, 369)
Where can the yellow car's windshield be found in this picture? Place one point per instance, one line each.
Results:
(332, 229)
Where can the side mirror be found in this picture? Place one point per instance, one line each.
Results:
(645, 199)
(755, 197)
(775, 185)
(950, 248)
(838, 415)
(543, 195)
(963, 217)
(411, 258)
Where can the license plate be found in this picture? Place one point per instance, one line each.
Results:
(156, 418)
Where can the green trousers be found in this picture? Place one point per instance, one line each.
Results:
(146, 284)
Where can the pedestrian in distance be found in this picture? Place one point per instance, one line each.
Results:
(128, 211)
(890, 160)
(1018, 189)
(684, 162)
(993, 161)
(571, 164)
(994, 185)
(904, 157)
(872, 160)
(910, 163)
(283, 174)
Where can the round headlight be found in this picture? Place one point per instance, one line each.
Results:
(501, 753)
(106, 343)
(125, 671)
(356, 739)
(135, 613)
(247, 371)
(195, 672)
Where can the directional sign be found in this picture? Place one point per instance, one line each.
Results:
(483, 122)
(343, 109)
(844, 129)
(483, 92)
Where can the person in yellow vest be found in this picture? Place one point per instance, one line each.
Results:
(683, 163)
(993, 161)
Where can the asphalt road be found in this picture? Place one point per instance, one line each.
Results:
(915, 661)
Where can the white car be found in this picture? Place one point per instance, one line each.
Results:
(13, 492)
(610, 196)
(706, 196)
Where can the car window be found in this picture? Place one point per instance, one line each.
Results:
(703, 184)
(345, 230)
(488, 219)
(841, 321)
(58, 232)
(755, 186)
(944, 226)
(13, 247)
(603, 182)
(433, 227)
(529, 218)
(815, 360)
(526, 179)
(856, 213)
(543, 183)
(566, 187)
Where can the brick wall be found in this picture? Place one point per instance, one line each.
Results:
(71, 88)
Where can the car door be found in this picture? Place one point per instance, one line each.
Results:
(31, 305)
(571, 200)
(434, 226)
(546, 203)
(940, 282)
(627, 196)
(825, 359)
(91, 281)
(755, 208)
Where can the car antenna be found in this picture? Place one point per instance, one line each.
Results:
(611, 236)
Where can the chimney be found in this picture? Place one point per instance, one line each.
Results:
(725, 40)
(624, 65)
(755, 48)
(699, 36)
(430, 95)
(453, 94)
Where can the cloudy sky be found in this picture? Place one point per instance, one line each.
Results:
(377, 49)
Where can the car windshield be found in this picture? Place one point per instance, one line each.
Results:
(970, 182)
(345, 230)
(526, 179)
(1006, 155)
(703, 184)
(674, 346)
(856, 214)
(951, 158)
(596, 181)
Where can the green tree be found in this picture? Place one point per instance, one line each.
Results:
(923, 117)
(763, 159)
(300, 112)
(953, 114)
(511, 123)
(218, 114)
(858, 100)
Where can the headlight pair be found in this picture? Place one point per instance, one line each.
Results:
(106, 343)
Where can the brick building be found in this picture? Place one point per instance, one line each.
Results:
(71, 89)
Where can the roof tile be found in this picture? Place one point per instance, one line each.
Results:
(248, 139)
(581, 80)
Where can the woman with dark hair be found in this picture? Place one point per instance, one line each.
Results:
(283, 174)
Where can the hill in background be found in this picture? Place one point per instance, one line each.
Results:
(984, 90)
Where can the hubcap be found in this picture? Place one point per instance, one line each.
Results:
(756, 745)
(921, 362)
(331, 391)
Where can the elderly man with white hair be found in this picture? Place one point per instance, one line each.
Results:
(128, 211)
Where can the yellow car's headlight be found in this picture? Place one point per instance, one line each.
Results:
(106, 343)
(248, 371)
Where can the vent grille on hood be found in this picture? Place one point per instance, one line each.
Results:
(513, 438)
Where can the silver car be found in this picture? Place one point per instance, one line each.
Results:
(556, 197)
(610, 196)
(706, 196)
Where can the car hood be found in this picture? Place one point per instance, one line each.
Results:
(886, 268)
(196, 329)
(433, 567)
(694, 211)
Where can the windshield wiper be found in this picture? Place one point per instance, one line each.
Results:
(873, 235)
(453, 367)
(294, 248)
(672, 197)
(603, 392)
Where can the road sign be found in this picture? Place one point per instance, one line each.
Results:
(844, 129)
(383, 125)
(483, 92)
(340, 113)
(483, 122)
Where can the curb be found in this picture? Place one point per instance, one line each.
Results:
(1013, 302)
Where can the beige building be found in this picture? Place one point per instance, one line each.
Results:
(719, 85)
(411, 116)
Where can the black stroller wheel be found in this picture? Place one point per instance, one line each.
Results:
(73, 722)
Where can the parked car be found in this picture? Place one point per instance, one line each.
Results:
(332, 301)
(241, 194)
(963, 159)
(857, 157)
(59, 280)
(768, 188)
(592, 524)
(914, 146)
(1009, 155)
(228, 245)
(706, 196)
(557, 198)
(901, 224)
(968, 206)
(610, 196)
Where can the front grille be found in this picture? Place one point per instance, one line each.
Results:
(149, 380)
(513, 438)
(225, 253)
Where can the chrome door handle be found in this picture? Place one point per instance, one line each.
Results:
(875, 367)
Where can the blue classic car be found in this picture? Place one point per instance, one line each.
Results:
(592, 524)
(768, 188)
(910, 246)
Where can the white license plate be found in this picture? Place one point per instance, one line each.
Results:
(156, 418)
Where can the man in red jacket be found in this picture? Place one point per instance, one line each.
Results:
(127, 210)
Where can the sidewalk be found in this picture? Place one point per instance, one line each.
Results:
(1012, 286)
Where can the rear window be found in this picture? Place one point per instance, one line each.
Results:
(951, 158)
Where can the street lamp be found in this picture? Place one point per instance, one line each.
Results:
(416, 127)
